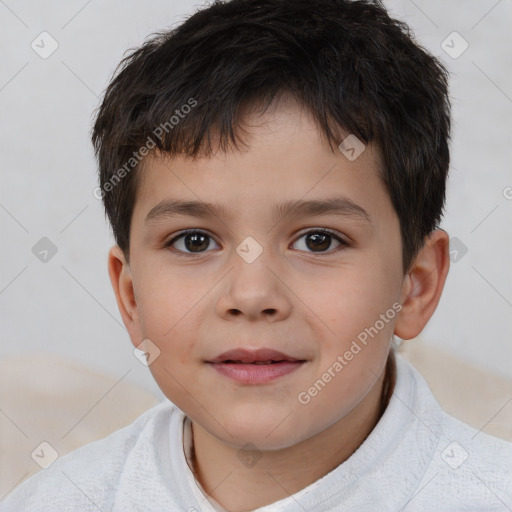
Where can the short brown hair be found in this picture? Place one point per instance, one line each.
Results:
(347, 62)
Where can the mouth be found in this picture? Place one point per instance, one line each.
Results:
(258, 356)
(229, 361)
(255, 366)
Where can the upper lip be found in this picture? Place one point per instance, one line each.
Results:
(250, 356)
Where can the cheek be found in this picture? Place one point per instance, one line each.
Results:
(168, 318)
(357, 299)
(352, 358)
(166, 303)
(360, 312)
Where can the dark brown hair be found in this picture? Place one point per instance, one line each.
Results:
(347, 62)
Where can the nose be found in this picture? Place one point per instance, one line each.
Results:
(254, 291)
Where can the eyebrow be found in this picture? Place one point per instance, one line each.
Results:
(333, 206)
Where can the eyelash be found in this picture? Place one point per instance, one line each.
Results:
(343, 243)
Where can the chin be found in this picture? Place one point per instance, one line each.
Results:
(266, 432)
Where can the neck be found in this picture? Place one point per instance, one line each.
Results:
(278, 474)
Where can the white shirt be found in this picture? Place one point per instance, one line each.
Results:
(416, 459)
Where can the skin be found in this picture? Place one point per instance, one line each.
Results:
(307, 302)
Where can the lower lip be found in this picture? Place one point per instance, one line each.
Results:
(256, 373)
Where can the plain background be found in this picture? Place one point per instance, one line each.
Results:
(66, 306)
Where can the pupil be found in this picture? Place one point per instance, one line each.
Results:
(320, 241)
(197, 242)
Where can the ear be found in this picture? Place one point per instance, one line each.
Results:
(122, 283)
(423, 285)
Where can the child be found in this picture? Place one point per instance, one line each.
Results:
(231, 150)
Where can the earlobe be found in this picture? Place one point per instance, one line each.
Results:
(122, 284)
(423, 285)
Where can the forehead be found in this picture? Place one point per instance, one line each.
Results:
(287, 160)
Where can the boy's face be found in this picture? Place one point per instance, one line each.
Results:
(309, 297)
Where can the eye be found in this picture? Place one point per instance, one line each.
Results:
(319, 240)
(191, 241)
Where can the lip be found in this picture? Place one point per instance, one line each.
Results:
(240, 365)
(244, 355)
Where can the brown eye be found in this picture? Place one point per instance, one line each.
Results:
(196, 242)
(320, 241)
(191, 242)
